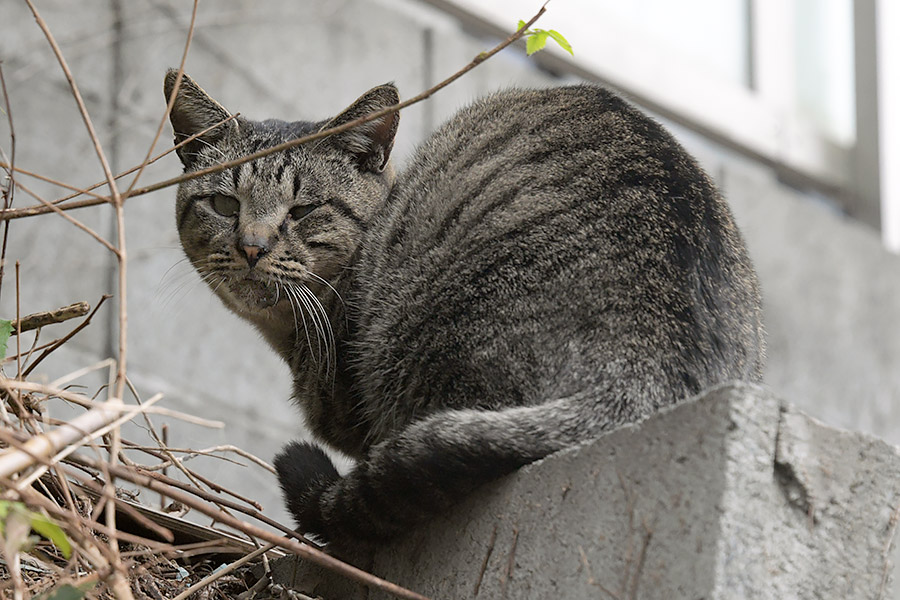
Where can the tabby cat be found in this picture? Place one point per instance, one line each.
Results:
(551, 265)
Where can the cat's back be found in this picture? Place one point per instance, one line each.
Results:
(540, 235)
(518, 157)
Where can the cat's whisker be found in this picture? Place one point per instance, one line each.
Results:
(327, 284)
(173, 280)
(218, 285)
(289, 289)
(174, 292)
(320, 321)
(332, 351)
(315, 320)
(176, 265)
(329, 331)
(293, 309)
(280, 284)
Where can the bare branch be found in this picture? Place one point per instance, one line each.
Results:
(42, 319)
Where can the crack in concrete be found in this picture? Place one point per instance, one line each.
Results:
(795, 491)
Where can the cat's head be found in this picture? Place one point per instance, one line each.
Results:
(259, 230)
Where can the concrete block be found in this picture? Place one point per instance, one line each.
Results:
(731, 495)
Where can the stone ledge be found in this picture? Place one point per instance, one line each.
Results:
(731, 495)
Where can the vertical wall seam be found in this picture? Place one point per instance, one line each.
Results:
(113, 155)
(428, 78)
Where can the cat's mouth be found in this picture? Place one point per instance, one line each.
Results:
(253, 293)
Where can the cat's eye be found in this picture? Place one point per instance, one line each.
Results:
(298, 212)
(225, 205)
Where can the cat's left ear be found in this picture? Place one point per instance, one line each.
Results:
(193, 112)
(370, 143)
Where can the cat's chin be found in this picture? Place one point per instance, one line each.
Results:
(251, 295)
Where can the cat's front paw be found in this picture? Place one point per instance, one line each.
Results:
(304, 473)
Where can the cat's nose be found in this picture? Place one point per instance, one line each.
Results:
(254, 253)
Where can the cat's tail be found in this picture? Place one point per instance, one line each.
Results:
(425, 469)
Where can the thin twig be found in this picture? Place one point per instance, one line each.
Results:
(87, 483)
(189, 454)
(165, 439)
(32, 350)
(10, 190)
(77, 95)
(65, 439)
(18, 325)
(164, 448)
(63, 381)
(35, 499)
(12, 214)
(121, 255)
(207, 482)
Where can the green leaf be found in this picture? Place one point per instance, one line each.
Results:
(563, 43)
(38, 522)
(50, 530)
(536, 42)
(521, 24)
(5, 331)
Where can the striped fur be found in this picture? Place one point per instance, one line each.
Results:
(550, 265)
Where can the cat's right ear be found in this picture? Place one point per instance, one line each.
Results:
(370, 144)
(194, 111)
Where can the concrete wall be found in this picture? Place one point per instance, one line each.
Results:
(832, 296)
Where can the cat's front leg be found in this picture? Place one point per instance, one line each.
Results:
(304, 473)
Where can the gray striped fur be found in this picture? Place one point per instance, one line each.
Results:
(549, 266)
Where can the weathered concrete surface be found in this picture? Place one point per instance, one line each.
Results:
(732, 495)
